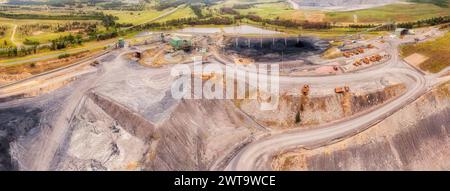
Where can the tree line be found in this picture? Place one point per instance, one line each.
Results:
(197, 21)
(66, 41)
(168, 4)
(91, 16)
(441, 3)
(28, 29)
(197, 9)
(3, 29)
(425, 22)
(286, 23)
(18, 51)
(277, 21)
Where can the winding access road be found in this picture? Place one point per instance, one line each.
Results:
(259, 154)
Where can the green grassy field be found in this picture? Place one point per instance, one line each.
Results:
(182, 12)
(7, 36)
(394, 12)
(270, 10)
(135, 17)
(230, 3)
(41, 36)
(40, 12)
(91, 46)
(437, 51)
(328, 34)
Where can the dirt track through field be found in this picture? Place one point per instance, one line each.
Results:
(13, 34)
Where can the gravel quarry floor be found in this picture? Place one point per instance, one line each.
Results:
(121, 116)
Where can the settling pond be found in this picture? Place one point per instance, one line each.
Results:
(275, 49)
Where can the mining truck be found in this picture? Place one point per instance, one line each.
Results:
(340, 90)
(305, 89)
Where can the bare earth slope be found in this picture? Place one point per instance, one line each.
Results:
(108, 136)
(329, 3)
(415, 138)
(339, 5)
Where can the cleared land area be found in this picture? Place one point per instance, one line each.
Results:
(42, 36)
(415, 138)
(437, 51)
(134, 17)
(394, 12)
(234, 2)
(91, 46)
(5, 39)
(272, 10)
(275, 9)
(401, 12)
(80, 107)
(182, 12)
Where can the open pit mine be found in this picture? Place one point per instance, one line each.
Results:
(355, 106)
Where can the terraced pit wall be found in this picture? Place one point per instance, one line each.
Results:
(300, 110)
(15, 122)
(108, 136)
(415, 138)
(132, 122)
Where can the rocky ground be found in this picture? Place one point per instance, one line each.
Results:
(415, 138)
(16, 122)
(120, 115)
(108, 136)
(296, 110)
(128, 120)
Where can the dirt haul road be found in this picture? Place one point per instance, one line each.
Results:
(43, 153)
(258, 155)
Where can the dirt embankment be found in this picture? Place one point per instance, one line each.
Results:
(99, 142)
(191, 141)
(415, 138)
(300, 110)
(128, 119)
(9, 74)
(43, 84)
(162, 55)
(108, 136)
(15, 122)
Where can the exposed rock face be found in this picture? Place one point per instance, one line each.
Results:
(130, 122)
(299, 110)
(415, 138)
(331, 3)
(191, 141)
(15, 122)
(106, 135)
(98, 142)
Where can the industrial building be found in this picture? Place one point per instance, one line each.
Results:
(180, 44)
(121, 43)
(403, 31)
